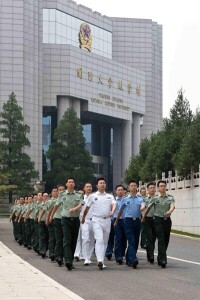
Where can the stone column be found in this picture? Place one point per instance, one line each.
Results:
(126, 152)
(64, 102)
(117, 155)
(136, 134)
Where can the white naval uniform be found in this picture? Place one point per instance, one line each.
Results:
(101, 223)
(87, 233)
(78, 251)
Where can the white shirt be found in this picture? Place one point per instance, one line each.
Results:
(89, 214)
(101, 204)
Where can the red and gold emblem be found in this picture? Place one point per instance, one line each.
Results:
(85, 37)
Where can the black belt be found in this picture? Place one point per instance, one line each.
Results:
(163, 218)
(70, 218)
(134, 219)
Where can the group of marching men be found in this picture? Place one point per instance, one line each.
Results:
(76, 224)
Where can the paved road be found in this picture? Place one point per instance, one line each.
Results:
(180, 280)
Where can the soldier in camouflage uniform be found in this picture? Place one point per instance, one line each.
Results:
(163, 207)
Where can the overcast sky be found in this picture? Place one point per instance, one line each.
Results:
(181, 41)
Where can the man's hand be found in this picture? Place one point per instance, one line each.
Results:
(111, 213)
(71, 210)
(168, 213)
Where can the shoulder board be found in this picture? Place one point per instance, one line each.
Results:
(79, 193)
(168, 195)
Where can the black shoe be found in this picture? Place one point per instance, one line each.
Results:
(76, 258)
(135, 264)
(151, 260)
(162, 264)
(100, 265)
(109, 256)
(29, 247)
(130, 264)
(43, 255)
(68, 265)
(52, 257)
(25, 245)
(20, 243)
(60, 262)
(120, 261)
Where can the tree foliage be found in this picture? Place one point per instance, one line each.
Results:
(189, 153)
(67, 153)
(167, 150)
(13, 143)
(4, 186)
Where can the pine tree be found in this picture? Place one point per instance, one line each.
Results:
(67, 153)
(13, 141)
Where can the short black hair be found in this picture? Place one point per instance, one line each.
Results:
(161, 181)
(143, 187)
(150, 183)
(60, 184)
(100, 178)
(70, 178)
(119, 185)
(54, 188)
(132, 181)
(87, 183)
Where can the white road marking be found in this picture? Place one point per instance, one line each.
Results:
(178, 259)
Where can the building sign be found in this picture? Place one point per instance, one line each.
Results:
(109, 82)
(85, 37)
(113, 102)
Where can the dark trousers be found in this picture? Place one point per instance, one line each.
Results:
(43, 237)
(59, 238)
(163, 229)
(36, 234)
(32, 225)
(70, 227)
(52, 241)
(150, 232)
(28, 232)
(132, 229)
(120, 240)
(110, 246)
(24, 232)
(21, 231)
(15, 227)
(143, 237)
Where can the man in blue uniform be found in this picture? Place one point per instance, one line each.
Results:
(132, 205)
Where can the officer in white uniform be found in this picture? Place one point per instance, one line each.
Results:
(104, 206)
(78, 255)
(86, 228)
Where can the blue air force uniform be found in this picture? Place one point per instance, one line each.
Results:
(131, 206)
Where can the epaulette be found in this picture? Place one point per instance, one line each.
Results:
(156, 195)
(168, 195)
(62, 192)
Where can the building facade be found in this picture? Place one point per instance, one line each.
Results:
(57, 54)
